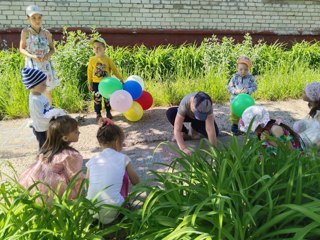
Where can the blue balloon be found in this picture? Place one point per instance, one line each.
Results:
(134, 88)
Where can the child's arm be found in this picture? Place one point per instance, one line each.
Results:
(23, 46)
(41, 117)
(133, 176)
(211, 130)
(252, 85)
(114, 70)
(73, 166)
(232, 87)
(90, 75)
(51, 46)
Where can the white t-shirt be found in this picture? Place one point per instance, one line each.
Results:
(106, 171)
(41, 112)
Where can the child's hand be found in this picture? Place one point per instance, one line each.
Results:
(45, 58)
(244, 90)
(36, 58)
(187, 151)
(238, 91)
(90, 87)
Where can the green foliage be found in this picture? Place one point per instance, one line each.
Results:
(26, 217)
(13, 96)
(235, 192)
(169, 72)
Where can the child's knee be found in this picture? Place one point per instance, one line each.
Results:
(97, 98)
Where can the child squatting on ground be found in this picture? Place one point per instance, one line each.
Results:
(57, 162)
(265, 128)
(100, 66)
(37, 46)
(39, 106)
(309, 129)
(109, 171)
(241, 82)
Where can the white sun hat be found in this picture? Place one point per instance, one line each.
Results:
(258, 113)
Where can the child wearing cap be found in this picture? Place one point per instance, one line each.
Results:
(39, 106)
(100, 66)
(241, 82)
(37, 46)
(263, 126)
(197, 109)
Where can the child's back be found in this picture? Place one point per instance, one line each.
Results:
(107, 170)
(110, 171)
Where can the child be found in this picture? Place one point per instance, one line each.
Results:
(309, 129)
(263, 126)
(57, 161)
(312, 96)
(241, 82)
(37, 46)
(39, 107)
(100, 66)
(109, 172)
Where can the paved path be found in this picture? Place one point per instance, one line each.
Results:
(19, 146)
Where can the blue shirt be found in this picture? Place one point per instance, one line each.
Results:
(238, 82)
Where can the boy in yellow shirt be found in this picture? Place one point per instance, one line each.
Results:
(100, 66)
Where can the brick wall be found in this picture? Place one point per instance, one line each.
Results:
(280, 17)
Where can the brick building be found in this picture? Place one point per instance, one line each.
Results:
(153, 22)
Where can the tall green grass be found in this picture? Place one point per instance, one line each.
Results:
(169, 72)
(235, 192)
(231, 193)
(27, 217)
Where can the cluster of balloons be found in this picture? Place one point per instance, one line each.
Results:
(129, 98)
(240, 103)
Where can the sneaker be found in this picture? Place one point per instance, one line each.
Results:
(235, 130)
(109, 115)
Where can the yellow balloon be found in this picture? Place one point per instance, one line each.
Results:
(135, 113)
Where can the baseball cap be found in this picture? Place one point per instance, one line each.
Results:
(98, 39)
(245, 60)
(33, 9)
(203, 106)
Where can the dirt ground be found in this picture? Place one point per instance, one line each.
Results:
(142, 138)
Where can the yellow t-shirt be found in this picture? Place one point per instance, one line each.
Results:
(100, 67)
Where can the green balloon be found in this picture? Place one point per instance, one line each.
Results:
(109, 85)
(240, 103)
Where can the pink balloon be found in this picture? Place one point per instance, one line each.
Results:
(121, 101)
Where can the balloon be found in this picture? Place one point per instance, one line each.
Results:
(145, 100)
(135, 113)
(136, 79)
(240, 103)
(133, 88)
(109, 85)
(121, 101)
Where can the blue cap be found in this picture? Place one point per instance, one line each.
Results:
(203, 106)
